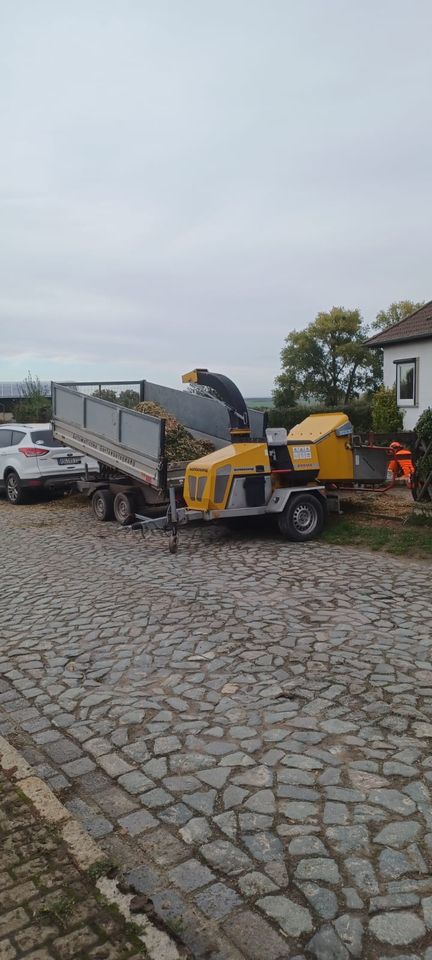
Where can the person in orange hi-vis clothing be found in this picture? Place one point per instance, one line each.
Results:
(401, 465)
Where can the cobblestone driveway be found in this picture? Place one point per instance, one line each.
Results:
(247, 726)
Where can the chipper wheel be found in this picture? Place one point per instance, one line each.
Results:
(303, 518)
(103, 505)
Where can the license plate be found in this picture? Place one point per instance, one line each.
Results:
(65, 461)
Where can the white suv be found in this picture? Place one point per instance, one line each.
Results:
(30, 458)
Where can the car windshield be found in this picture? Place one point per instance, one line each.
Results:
(44, 438)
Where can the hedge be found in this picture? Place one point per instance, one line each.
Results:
(359, 412)
(424, 433)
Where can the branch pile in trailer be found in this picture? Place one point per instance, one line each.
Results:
(180, 444)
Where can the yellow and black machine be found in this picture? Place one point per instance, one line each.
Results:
(285, 476)
(248, 477)
(255, 477)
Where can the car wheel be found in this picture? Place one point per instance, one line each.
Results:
(302, 519)
(14, 491)
(124, 508)
(103, 505)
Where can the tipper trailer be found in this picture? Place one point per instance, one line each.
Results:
(134, 472)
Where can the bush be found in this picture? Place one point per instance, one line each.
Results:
(424, 426)
(424, 432)
(35, 405)
(358, 412)
(386, 416)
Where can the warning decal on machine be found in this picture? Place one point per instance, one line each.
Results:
(302, 453)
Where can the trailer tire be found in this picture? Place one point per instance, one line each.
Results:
(103, 505)
(302, 519)
(124, 508)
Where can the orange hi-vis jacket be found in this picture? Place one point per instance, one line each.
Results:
(401, 465)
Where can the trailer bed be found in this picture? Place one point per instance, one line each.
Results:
(130, 443)
(123, 440)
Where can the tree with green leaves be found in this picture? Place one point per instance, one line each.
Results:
(395, 312)
(106, 394)
(286, 392)
(328, 360)
(129, 398)
(35, 406)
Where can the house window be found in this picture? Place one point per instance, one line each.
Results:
(406, 382)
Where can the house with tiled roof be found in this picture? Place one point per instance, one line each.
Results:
(407, 347)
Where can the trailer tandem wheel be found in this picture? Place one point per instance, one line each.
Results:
(103, 505)
(124, 507)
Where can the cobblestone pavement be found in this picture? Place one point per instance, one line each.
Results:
(48, 910)
(246, 726)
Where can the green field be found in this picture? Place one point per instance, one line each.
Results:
(259, 403)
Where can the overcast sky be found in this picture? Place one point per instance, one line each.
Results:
(183, 182)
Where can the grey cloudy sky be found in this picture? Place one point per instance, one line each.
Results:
(182, 182)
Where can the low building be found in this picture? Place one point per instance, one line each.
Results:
(407, 347)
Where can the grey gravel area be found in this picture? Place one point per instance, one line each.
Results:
(246, 727)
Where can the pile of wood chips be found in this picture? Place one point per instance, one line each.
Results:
(180, 444)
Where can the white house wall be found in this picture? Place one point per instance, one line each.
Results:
(422, 350)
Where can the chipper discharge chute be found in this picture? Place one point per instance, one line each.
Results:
(248, 477)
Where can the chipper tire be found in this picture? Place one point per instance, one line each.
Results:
(302, 519)
(103, 505)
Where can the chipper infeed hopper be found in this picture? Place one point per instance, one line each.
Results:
(328, 437)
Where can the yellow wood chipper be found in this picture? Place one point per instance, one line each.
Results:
(282, 476)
